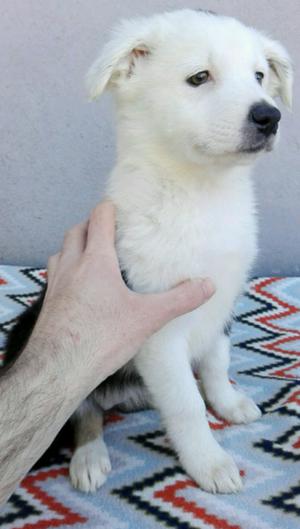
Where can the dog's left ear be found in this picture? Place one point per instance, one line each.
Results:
(281, 71)
(129, 43)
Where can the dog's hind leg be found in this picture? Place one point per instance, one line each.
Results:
(229, 403)
(90, 462)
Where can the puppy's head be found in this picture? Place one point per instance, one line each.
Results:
(202, 86)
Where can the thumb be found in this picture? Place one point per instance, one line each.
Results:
(179, 300)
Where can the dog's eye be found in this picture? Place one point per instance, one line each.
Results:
(259, 77)
(199, 78)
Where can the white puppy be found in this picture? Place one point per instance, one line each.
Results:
(195, 107)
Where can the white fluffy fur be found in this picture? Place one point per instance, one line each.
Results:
(185, 205)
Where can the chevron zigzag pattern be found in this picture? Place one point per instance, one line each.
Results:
(147, 488)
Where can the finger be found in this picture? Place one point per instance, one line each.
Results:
(185, 297)
(101, 230)
(74, 242)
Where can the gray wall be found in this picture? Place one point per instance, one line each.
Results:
(57, 149)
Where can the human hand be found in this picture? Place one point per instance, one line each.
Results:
(95, 321)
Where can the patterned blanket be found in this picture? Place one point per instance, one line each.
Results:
(147, 488)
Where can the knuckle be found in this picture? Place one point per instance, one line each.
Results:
(67, 237)
(53, 259)
(72, 231)
(70, 234)
(96, 212)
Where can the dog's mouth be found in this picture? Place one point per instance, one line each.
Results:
(257, 145)
(251, 145)
(252, 148)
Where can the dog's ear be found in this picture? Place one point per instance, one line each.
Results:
(129, 43)
(281, 71)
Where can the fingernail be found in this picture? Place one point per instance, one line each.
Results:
(208, 287)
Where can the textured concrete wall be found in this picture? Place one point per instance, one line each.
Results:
(57, 149)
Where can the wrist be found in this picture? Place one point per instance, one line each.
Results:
(49, 358)
(73, 358)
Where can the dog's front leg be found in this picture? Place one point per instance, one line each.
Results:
(165, 368)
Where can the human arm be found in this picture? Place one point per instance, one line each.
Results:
(90, 325)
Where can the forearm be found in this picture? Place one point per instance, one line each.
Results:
(90, 325)
(37, 398)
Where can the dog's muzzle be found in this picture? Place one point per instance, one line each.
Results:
(265, 117)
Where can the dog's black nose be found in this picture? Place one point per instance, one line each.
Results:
(265, 117)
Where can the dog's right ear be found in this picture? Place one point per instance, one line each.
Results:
(130, 43)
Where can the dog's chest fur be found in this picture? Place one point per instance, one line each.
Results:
(171, 230)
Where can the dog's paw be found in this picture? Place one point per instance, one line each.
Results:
(89, 466)
(241, 411)
(218, 473)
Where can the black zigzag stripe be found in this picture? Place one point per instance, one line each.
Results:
(253, 344)
(259, 371)
(267, 406)
(130, 494)
(6, 326)
(283, 501)
(265, 306)
(245, 318)
(19, 509)
(289, 433)
(274, 448)
(19, 297)
(269, 447)
(29, 273)
(146, 441)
